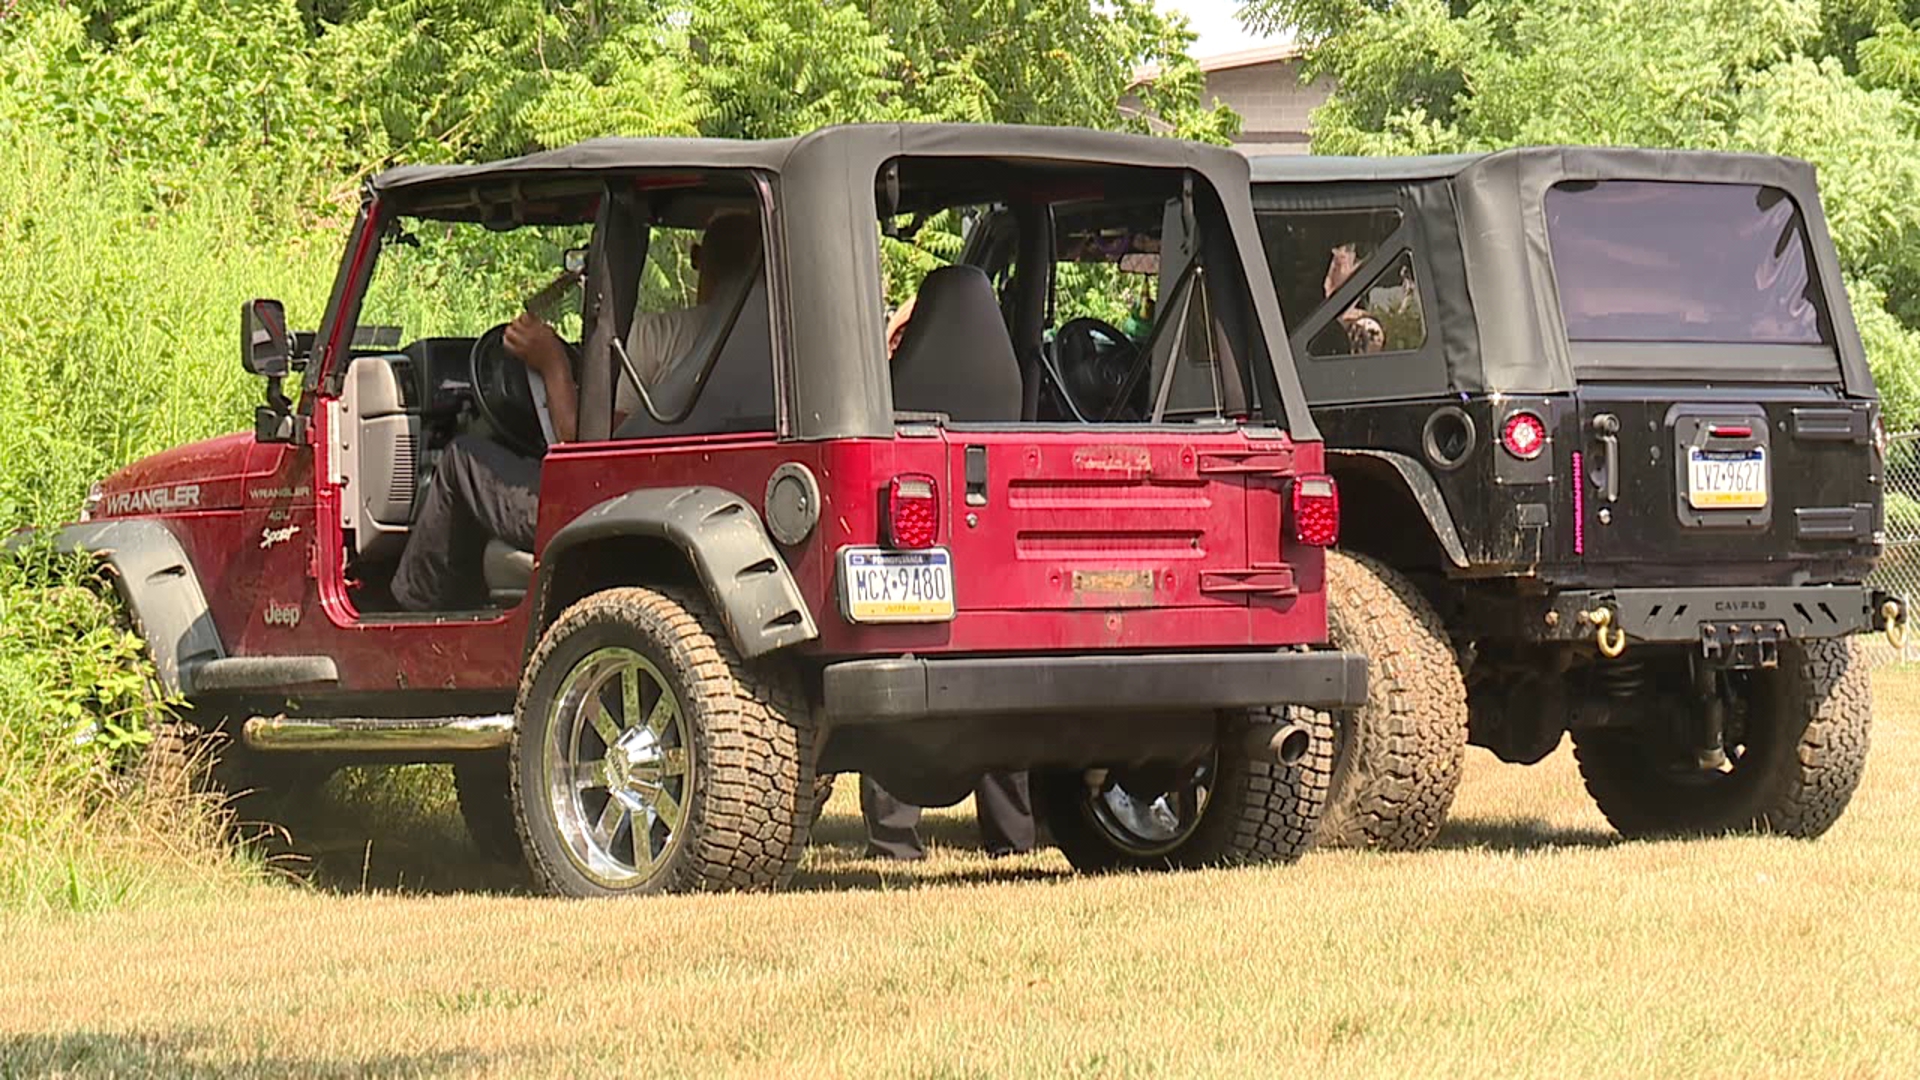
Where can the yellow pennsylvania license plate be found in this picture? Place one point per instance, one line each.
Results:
(878, 585)
(1729, 480)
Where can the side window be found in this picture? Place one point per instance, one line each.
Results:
(1385, 318)
(1316, 254)
(697, 358)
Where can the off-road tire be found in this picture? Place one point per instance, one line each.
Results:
(1398, 758)
(484, 787)
(752, 746)
(1809, 724)
(1256, 812)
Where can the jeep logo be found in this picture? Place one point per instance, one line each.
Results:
(1732, 607)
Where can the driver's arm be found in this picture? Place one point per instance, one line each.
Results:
(537, 346)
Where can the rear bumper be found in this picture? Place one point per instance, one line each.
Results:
(1658, 615)
(875, 691)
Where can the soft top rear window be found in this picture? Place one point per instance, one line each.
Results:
(1664, 261)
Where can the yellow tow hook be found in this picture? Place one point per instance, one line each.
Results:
(1602, 620)
(1895, 616)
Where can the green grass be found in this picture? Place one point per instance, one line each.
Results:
(1531, 943)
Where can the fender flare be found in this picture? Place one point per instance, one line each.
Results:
(726, 543)
(1418, 484)
(156, 581)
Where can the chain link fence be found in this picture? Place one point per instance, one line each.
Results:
(1899, 569)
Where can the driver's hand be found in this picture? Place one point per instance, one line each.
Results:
(897, 325)
(535, 344)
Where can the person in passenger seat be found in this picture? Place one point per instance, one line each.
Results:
(1365, 334)
(483, 490)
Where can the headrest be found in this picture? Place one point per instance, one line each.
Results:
(955, 356)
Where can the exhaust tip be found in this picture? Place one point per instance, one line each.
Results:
(1285, 744)
(1292, 746)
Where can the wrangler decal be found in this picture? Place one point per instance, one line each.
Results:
(154, 500)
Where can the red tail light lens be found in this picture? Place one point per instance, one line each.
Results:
(1316, 511)
(913, 512)
(1524, 435)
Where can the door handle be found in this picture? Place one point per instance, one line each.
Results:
(1606, 427)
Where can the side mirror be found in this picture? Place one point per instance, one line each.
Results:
(266, 348)
(574, 261)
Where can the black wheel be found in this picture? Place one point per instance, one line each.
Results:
(1398, 758)
(1231, 809)
(485, 790)
(1796, 745)
(648, 757)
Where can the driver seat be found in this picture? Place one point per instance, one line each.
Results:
(507, 571)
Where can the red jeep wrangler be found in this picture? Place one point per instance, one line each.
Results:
(799, 553)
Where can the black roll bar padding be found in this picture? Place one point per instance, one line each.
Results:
(1033, 287)
(615, 255)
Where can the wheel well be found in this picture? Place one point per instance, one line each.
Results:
(611, 562)
(1381, 518)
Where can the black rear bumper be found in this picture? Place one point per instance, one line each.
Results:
(873, 691)
(1660, 614)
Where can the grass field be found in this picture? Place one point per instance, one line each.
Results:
(1531, 944)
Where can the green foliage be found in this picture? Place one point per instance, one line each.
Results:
(1834, 83)
(70, 669)
(1903, 517)
(117, 324)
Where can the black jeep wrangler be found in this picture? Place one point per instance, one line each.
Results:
(1605, 415)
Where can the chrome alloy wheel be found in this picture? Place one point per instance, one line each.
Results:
(1149, 825)
(618, 767)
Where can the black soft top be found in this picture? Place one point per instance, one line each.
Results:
(860, 145)
(826, 181)
(1507, 323)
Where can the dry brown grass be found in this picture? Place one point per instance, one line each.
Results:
(1532, 944)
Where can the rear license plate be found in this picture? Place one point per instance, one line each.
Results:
(1727, 480)
(877, 585)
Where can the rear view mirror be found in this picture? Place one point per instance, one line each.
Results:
(265, 346)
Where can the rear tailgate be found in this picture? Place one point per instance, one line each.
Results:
(1117, 520)
(1728, 478)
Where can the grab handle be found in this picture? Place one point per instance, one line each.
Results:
(1606, 427)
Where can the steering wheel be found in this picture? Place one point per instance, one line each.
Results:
(503, 395)
(1093, 362)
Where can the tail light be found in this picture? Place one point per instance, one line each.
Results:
(1316, 511)
(913, 512)
(1524, 435)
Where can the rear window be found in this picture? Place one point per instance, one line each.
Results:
(1661, 261)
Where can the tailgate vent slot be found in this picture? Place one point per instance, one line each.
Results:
(1833, 522)
(1831, 425)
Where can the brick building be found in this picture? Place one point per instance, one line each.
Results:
(1264, 86)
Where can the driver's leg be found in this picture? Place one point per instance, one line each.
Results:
(480, 490)
(1005, 812)
(892, 826)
